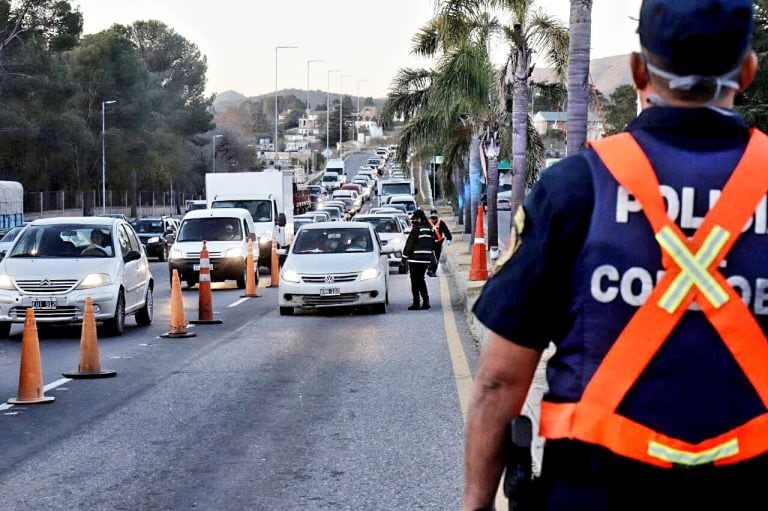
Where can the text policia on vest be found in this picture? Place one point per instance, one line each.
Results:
(634, 285)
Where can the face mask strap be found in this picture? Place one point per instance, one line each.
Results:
(677, 82)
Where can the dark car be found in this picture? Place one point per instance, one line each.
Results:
(156, 234)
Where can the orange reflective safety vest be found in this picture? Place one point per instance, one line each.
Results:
(691, 275)
(436, 229)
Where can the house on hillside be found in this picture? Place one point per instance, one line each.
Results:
(367, 114)
(544, 122)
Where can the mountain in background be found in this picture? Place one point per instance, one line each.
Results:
(607, 73)
(316, 97)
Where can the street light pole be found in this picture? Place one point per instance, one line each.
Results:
(357, 130)
(104, 157)
(328, 110)
(277, 48)
(308, 63)
(341, 115)
(213, 152)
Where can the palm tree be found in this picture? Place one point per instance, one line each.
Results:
(531, 31)
(578, 74)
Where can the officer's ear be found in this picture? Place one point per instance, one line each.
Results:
(748, 71)
(639, 71)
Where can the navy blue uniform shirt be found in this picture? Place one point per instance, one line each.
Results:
(527, 301)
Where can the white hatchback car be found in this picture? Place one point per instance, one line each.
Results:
(392, 234)
(334, 265)
(56, 263)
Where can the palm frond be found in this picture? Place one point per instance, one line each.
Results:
(465, 76)
(549, 36)
(426, 42)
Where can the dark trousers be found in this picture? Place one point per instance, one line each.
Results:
(438, 251)
(418, 284)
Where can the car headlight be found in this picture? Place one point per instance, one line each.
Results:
(396, 242)
(234, 252)
(370, 273)
(94, 280)
(290, 276)
(6, 282)
(156, 239)
(266, 236)
(176, 253)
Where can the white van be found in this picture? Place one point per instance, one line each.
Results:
(226, 232)
(337, 166)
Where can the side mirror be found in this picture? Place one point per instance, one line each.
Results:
(281, 220)
(133, 255)
(170, 238)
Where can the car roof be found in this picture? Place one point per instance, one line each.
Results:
(337, 225)
(89, 220)
(218, 213)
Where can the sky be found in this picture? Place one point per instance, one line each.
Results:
(367, 40)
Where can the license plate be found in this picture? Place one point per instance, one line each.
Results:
(44, 304)
(196, 267)
(329, 291)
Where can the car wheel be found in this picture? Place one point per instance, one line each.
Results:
(163, 254)
(286, 311)
(5, 330)
(144, 315)
(241, 280)
(116, 325)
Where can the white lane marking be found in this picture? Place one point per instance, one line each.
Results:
(240, 301)
(50, 386)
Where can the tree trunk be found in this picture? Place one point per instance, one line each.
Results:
(467, 200)
(458, 186)
(426, 186)
(475, 172)
(578, 74)
(493, 189)
(519, 140)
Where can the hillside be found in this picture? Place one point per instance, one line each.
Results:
(316, 97)
(607, 73)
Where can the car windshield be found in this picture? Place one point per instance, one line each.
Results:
(146, 225)
(260, 210)
(333, 213)
(409, 205)
(64, 240)
(330, 178)
(210, 229)
(395, 188)
(382, 225)
(332, 241)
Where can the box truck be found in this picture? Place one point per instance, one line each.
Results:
(267, 195)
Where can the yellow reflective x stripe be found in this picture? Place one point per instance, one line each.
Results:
(694, 268)
(657, 450)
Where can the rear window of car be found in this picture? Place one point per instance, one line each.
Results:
(332, 241)
(382, 225)
(143, 225)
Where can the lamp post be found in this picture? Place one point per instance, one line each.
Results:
(213, 152)
(357, 130)
(104, 157)
(328, 110)
(308, 63)
(277, 49)
(341, 115)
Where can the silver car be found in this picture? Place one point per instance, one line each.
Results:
(57, 263)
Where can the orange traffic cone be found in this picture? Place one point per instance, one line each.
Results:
(274, 266)
(31, 371)
(178, 319)
(250, 274)
(205, 300)
(479, 268)
(89, 366)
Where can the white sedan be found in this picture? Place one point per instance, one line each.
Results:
(335, 265)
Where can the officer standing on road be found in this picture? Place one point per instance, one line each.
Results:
(442, 235)
(419, 252)
(644, 260)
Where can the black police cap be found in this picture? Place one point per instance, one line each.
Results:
(697, 37)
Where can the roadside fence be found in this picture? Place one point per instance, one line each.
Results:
(79, 202)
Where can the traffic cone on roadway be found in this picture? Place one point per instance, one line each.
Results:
(31, 371)
(479, 268)
(89, 366)
(178, 319)
(274, 266)
(205, 300)
(250, 274)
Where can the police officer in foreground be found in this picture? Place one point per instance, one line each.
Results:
(644, 259)
(419, 254)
